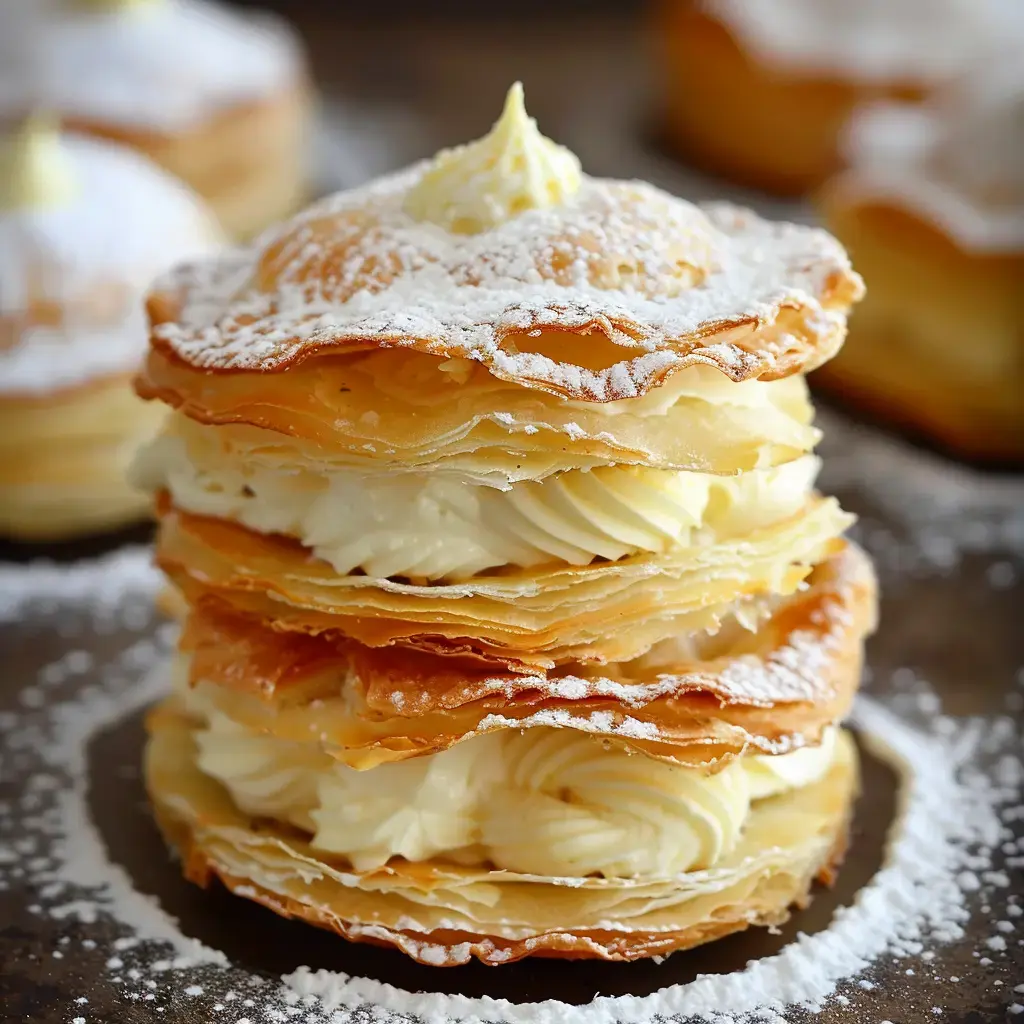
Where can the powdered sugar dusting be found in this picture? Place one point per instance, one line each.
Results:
(887, 40)
(949, 864)
(165, 65)
(659, 277)
(86, 263)
(927, 512)
(106, 584)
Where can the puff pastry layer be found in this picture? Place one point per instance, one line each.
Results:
(506, 517)
(444, 914)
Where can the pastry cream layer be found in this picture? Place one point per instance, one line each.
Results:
(440, 526)
(545, 801)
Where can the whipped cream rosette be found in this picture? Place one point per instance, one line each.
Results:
(84, 228)
(513, 623)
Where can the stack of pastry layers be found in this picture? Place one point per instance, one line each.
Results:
(84, 227)
(514, 624)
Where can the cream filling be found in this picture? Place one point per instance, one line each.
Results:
(514, 168)
(551, 802)
(440, 526)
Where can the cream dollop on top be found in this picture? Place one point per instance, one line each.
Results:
(551, 802)
(441, 526)
(514, 168)
(34, 169)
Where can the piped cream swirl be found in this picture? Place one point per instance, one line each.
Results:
(550, 802)
(439, 526)
(514, 168)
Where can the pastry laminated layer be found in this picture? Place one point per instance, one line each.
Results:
(64, 456)
(444, 913)
(548, 801)
(530, 618)
(432, 526)
(403, 411)
(598, 298)
(767, 678)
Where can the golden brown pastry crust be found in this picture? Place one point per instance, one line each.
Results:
(422, 909)
(455, 415)
(615, 292)
(938, 347)
(522, 619)
(762, 126)
(248, 161)
(765, 691)
(63, 457)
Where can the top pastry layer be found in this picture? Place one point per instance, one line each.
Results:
(597, 298)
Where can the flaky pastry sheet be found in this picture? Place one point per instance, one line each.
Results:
(445, 914)
(609, 611)
(767, 691)
(401, 410)
(600, 298)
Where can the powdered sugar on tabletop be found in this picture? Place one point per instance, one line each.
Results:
(949, 892)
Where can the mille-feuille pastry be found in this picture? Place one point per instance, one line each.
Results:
(514, 624)
(934, 207)
(760, 91)
(84, 228)
(217, 97)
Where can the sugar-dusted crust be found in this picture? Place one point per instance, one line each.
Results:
(444, 914)
(521, 619)
(708, 700)
(599, 299)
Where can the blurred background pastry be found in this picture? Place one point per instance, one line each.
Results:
(933, 208)
(217, 96)
(759, 90)
(84, 226)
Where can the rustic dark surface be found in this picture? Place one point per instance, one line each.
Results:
(954, 630)
(588, 81)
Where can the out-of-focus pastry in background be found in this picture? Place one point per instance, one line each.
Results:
(219, 98)
(933, 208)
(759, 90)
(84, 227)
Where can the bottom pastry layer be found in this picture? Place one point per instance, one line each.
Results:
(444, 913)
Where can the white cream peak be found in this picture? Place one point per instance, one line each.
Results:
(34, 170)
(485, 183)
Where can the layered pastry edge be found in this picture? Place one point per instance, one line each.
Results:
(440, 560)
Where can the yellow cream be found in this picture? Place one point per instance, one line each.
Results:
(439, 526)
(34, 172)
(514, 168)
(551, 802)
(113, 5)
